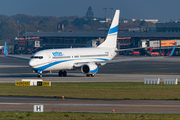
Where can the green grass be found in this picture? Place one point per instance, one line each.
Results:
(83, 116)
(110, 90)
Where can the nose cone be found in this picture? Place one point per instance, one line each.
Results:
(32, 63)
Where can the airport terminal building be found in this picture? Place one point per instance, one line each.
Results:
(46, 40)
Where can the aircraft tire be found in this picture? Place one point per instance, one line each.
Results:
(92, 75)
(60, 73)
(39, 75)
(64, 73)
(87, 75)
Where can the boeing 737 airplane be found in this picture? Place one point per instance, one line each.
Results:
(88, 60)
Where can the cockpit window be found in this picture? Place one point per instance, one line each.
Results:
(37, 57)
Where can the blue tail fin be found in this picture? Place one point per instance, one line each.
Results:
(5, 49)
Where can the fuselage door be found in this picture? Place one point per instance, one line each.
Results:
(48, 57)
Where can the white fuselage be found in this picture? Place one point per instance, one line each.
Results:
(88, 59)
(65, 59)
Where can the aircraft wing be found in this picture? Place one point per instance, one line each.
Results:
(124, 60)
(79, 64)
(13, 56)
(135, 59)
(118, 50)
(20, 57)
(127, 60)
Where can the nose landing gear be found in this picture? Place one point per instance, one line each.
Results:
(39, 75)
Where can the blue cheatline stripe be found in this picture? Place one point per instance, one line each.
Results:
(94, 71)
(49, 65)
(57, 62)
(113, 30)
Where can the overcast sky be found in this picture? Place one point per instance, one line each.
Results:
(163, 10)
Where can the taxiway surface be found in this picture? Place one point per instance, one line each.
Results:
(89, 105)
(13, 69)
(126, 71)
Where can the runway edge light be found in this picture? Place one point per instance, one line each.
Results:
(113, 111)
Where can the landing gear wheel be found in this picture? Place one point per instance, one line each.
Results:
(39, 75)
(64, 73)
(87, 75)
(92, 75)
(60, 73)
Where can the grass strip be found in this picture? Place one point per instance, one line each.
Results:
(104, 90)
(83, 116)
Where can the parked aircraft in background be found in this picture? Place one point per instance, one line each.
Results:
(88, 60)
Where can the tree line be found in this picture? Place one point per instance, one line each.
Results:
(17, 25)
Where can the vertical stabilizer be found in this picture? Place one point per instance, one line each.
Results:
(111, 39)
(5, 49)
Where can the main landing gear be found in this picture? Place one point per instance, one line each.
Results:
(88, 75)
(62, 73)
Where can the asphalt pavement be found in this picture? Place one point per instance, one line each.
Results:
(13, 69)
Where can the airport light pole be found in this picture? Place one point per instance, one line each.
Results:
(18, 29)
(105, 21)
(111, 11)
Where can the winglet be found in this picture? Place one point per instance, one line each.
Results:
(5, 49)
(172, 52)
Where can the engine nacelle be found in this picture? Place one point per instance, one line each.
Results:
(90, 68)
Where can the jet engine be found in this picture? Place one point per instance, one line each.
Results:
(90, 68)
